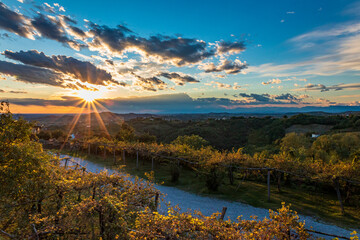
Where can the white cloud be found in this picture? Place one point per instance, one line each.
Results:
(341, 50)
(272, 81)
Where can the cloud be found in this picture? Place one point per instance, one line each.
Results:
(223, 85)
(337, 87)
(63, 101)
(179, 79)
(4, 36)
(81, 70)
(323, 33)
(227, 66)
(61, 8)
(286, 96)
(157, 52)
(265, 98)
(52, 28)
(230, 47)
(30, 74)
(150, 84)
(343, 58)
(18, 92)
(14, 22)
(120, 40)
(256, 97)
(14, 92)
(179, 51)
(353, 9)
(272, 81)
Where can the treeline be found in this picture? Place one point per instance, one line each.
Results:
(250, 133)
(253, 134)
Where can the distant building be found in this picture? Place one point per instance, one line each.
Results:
(315, 135)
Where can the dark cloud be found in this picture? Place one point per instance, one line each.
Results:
(68, 19)
(84, 71)
(319, 87)
(150, 84)
(265, 98)
(110, 62)
(4, 36)
(64, 101)
(14, 92)
(30, 74)
(180, 51)
(230, 47)
(53, 29)
(179, 79)
(226, 65)
(337, 87)
(18, 92)
(286, 96)
(77, 31)
(14, 22)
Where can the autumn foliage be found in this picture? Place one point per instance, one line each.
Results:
(40, 198)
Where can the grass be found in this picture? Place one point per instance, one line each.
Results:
(322, 206)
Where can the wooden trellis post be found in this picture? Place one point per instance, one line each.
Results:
(223, 212)
(279, 181)
(114, 150)
(137, 159)
(231, 175)
(152, 163)
(123, 152)
(338, 193)
(89, 149)
(268, 183)
(156, 201)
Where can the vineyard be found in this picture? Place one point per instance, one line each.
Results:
(342, 177)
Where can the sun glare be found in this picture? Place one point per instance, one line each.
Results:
(88, 96)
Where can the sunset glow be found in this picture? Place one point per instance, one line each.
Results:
(88, 96)
(62, 51)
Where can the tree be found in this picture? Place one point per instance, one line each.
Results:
(146, 138)
(295, 144)
(193, 141)
(46, 135)
(126, 133)
(58, 134)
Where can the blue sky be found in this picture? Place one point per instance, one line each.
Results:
(219, 55)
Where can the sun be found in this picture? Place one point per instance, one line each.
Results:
(88, 96)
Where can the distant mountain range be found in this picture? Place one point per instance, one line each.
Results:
(59, 119)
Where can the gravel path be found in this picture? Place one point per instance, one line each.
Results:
(208, 205)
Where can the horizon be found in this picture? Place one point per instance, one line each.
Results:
(123, 57)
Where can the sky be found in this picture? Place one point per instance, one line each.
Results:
(170, 56)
